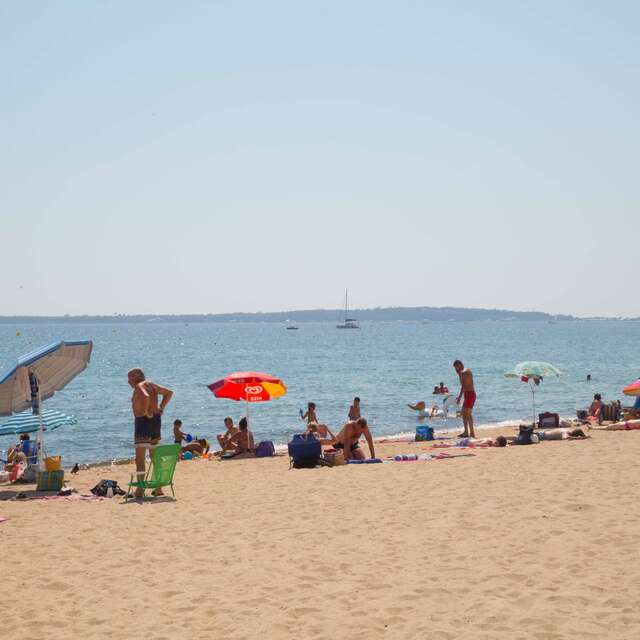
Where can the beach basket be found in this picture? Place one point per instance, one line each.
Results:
(334, 457)
(53, 463)
(50, 481)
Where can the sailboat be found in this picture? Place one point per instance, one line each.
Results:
(349, 323)
(291, 326)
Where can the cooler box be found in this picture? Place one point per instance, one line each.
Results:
(424, 432)
(304, 450)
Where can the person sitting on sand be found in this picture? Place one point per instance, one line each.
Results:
(633, 412)
(349, 437)
(321, 432)
(420, 407)
(354, 409)
(196, 447)
(178, 435)
(242, 440)
(25, 446)
(224, 439)
(595, 410)
(16, 455)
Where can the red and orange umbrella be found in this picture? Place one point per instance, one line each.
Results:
(633, 389)
(250, 386)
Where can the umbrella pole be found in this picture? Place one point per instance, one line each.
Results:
(533, 396)
(40, 433)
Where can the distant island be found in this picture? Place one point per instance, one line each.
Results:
(378, 314)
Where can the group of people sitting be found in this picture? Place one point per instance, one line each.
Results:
(236, 441)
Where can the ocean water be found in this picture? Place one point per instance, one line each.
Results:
(386, 364)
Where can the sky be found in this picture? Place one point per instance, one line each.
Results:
(204, 157)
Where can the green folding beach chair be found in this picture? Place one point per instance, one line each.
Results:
(160, 471)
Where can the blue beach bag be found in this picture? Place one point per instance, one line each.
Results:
(424, 432)
(304, 452)
(265, 449)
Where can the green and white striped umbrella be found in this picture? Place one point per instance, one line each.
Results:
(27, 422)
(533, 372)
(533, 369)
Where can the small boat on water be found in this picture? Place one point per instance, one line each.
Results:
(291, 326)
(349, 323)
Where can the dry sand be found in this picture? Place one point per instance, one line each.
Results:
(526, 542)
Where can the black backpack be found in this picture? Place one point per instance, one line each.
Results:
(524, 437)
(102, 488)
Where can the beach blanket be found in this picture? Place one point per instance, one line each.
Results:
(427, 457)
(75, 497)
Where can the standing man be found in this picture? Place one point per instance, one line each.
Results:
(469, 393)
(147, 416)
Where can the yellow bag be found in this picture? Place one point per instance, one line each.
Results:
(53, 463)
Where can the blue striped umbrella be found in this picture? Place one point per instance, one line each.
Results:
(27, 422)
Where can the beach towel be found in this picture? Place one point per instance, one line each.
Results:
(75, 497)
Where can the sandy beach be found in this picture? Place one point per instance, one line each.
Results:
(524, 542)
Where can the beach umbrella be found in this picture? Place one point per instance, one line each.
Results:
(36, 376)
(26, 422)
(533, 372)
(250, 386)
(633, 389)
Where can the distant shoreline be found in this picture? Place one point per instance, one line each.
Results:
(379, 314)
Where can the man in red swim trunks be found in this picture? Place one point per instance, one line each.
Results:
(469, 393)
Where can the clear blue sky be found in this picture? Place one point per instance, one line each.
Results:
(169, 157)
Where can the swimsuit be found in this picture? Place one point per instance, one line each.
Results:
(469, 399)
(340, 445)
(143, 430)
(156, 424)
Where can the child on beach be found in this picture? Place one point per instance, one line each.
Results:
(354, 409)
(310, 415)
(178, 435)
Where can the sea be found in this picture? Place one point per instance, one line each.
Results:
(386, 364)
